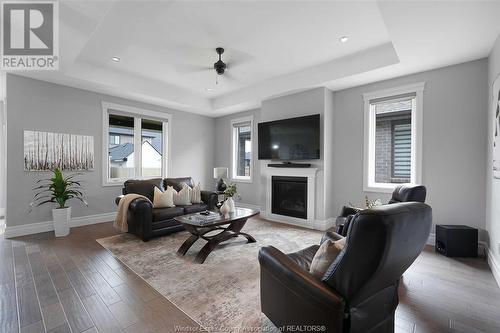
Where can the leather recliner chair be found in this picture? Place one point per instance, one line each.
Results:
(145, 221)
(402, 193)
(359, 291)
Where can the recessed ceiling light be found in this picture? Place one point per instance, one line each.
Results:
(115, 59)
(344, 39)
(208, 89)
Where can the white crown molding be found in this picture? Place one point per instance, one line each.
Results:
(145, 92)
(400, 90)
(102, 80)
(311, 77)
(36, 228)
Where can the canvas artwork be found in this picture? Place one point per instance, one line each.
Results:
(47, 151)
(496, 130)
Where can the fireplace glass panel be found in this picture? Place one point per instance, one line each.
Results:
(289, 196)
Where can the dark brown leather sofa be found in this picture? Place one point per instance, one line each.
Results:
(148, 222)
(359, 291)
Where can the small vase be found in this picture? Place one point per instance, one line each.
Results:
(61, 218)
(224, 209)
(230, 203)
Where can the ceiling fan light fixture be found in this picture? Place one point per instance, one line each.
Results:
(344, 39)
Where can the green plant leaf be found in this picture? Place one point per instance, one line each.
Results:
(58, 189)
(44, 202)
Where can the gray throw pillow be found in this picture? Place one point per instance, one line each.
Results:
(325, 256)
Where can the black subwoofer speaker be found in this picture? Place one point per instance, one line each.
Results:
(456, 240)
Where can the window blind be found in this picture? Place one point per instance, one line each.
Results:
(402, 151)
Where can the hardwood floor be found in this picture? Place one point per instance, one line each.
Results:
(72, 284)
(440, 294)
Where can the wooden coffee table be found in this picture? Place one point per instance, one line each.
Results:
(199, 226)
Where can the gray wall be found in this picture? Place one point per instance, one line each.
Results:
(39, 105)
(454, 141)
(314, 101)
(454, 137)
(296, 105)
(492, 185)
(3, 136)
(247, 192)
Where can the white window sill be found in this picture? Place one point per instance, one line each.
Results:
(242, 180)
(111, 184)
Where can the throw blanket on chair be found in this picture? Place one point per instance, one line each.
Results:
(121, 216)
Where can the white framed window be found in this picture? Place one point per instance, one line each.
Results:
(136, 143)
(393, 137)
(114, 139)
(241, 149)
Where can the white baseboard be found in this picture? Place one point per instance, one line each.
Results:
(321, 225)
(494, 264)
(431, 240)
(324, 225)
(249, 206)
(36, 228)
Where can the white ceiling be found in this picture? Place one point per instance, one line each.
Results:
(167, 48)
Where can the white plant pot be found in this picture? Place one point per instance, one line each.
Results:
(230, 204)
(227, 207)
(61, 218)
(224, 209)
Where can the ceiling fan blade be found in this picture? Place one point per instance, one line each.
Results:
(229, 76)
(190, 68)
(236, 57)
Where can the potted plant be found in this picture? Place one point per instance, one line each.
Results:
(229, 192)
(59, 190)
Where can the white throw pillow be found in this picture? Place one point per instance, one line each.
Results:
(325, 256)
(190, 190)
(182, 197)
(196, 194)
(163, 199)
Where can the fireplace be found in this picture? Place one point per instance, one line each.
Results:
(289, 196)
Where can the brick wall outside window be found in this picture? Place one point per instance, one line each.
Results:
(384, 145)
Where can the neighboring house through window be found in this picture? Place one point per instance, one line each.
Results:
(137, 143)
(241, 134)
(114, 139)
(393, 136)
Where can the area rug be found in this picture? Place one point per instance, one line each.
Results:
(222, 294)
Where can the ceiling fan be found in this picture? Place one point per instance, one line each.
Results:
(220, 67)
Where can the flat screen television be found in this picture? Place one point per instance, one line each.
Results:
(290, 139)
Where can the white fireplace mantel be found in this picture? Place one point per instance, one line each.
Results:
(310, 173)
